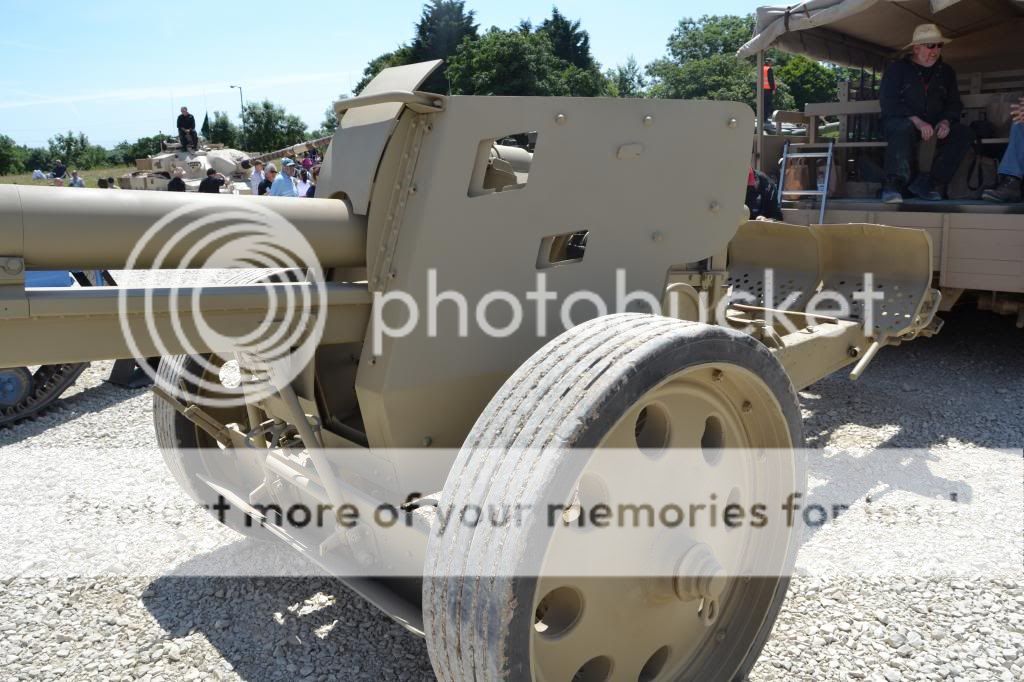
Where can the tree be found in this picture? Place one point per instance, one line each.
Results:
(11, 156)
(722, 77)
(512, 63)
(38, 157)
(399, 57)
(127, 152)
(442, 28)
(76, 151)
(568, 42)
(808, 80)
(330, 122)
(269, 127)
(626, 80)
(223, 131)
(709, 36)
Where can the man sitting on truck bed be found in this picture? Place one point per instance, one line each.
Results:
(920, 100)
(1011, 170)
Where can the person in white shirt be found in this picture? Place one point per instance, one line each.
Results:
(303, 185)
(257, 177)
(76, 180)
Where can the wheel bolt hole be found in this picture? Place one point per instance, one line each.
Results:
(596, 669)
(654, 665)
(558, 611)
(652, 430)
(713, 440)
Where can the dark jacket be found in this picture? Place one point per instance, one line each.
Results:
(186, 122)
(904, 93)
(211, 185)
(176, 185)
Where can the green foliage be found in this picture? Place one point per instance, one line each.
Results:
(709, 36)
(442, 28)
(568, 42)
(808, 80)
(38, 158)
(268, 127)
(12, 157)
(519, 63)
(399, 57)
(626, 80)
(702, 64)
(127, 152)
(223, 131)
(330, 122)
(553, 59)
(75, 150)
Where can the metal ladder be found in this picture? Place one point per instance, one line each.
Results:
(828, 155)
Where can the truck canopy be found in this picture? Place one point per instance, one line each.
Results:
(985, 34)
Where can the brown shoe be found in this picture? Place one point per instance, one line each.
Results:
(1007, 191)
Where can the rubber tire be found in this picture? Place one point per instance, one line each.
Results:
(569, 394)
(176, 435)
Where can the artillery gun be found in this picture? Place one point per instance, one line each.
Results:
(426, 198)
(154, 172)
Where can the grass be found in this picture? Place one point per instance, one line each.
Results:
(90, 176)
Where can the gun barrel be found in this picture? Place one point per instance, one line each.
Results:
(66, 229)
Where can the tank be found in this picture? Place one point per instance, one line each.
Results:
(328, 376)
(154, 172)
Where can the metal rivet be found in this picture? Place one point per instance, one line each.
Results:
(747, 406)
(413, 189)
(393, 274)
(733, 123)
(656, 236)
(648, 121)
(561, 118)
(717, 375)
(714, 207)
(853, 352)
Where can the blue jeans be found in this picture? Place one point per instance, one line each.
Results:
(1013, 159)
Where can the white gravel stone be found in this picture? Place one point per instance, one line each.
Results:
(965, 405)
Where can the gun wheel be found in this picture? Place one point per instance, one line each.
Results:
(633, 386)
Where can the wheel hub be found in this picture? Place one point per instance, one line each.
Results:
(15, 386)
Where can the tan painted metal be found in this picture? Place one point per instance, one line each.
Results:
(423, 192)
(53, 230)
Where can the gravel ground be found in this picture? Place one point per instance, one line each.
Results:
(955, 398)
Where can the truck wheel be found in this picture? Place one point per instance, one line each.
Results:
(622, 386)
(190, 452)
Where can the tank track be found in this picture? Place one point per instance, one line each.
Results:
(49, 382)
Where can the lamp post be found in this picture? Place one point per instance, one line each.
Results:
(241, 110)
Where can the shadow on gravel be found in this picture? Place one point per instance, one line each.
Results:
(963, 388)
(284, 628)
(88, 401)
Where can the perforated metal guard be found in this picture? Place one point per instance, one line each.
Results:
(899, 260)
(789, 252)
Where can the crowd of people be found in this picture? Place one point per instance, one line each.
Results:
(297, 178)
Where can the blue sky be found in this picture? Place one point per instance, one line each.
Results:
(119, 70)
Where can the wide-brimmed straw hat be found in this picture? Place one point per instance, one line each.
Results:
(926, 34)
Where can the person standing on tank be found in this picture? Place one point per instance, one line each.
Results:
(187, 130)
(920, 101)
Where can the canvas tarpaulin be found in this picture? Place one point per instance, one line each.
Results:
(985, 34)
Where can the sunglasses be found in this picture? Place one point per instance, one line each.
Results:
(933, 46)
